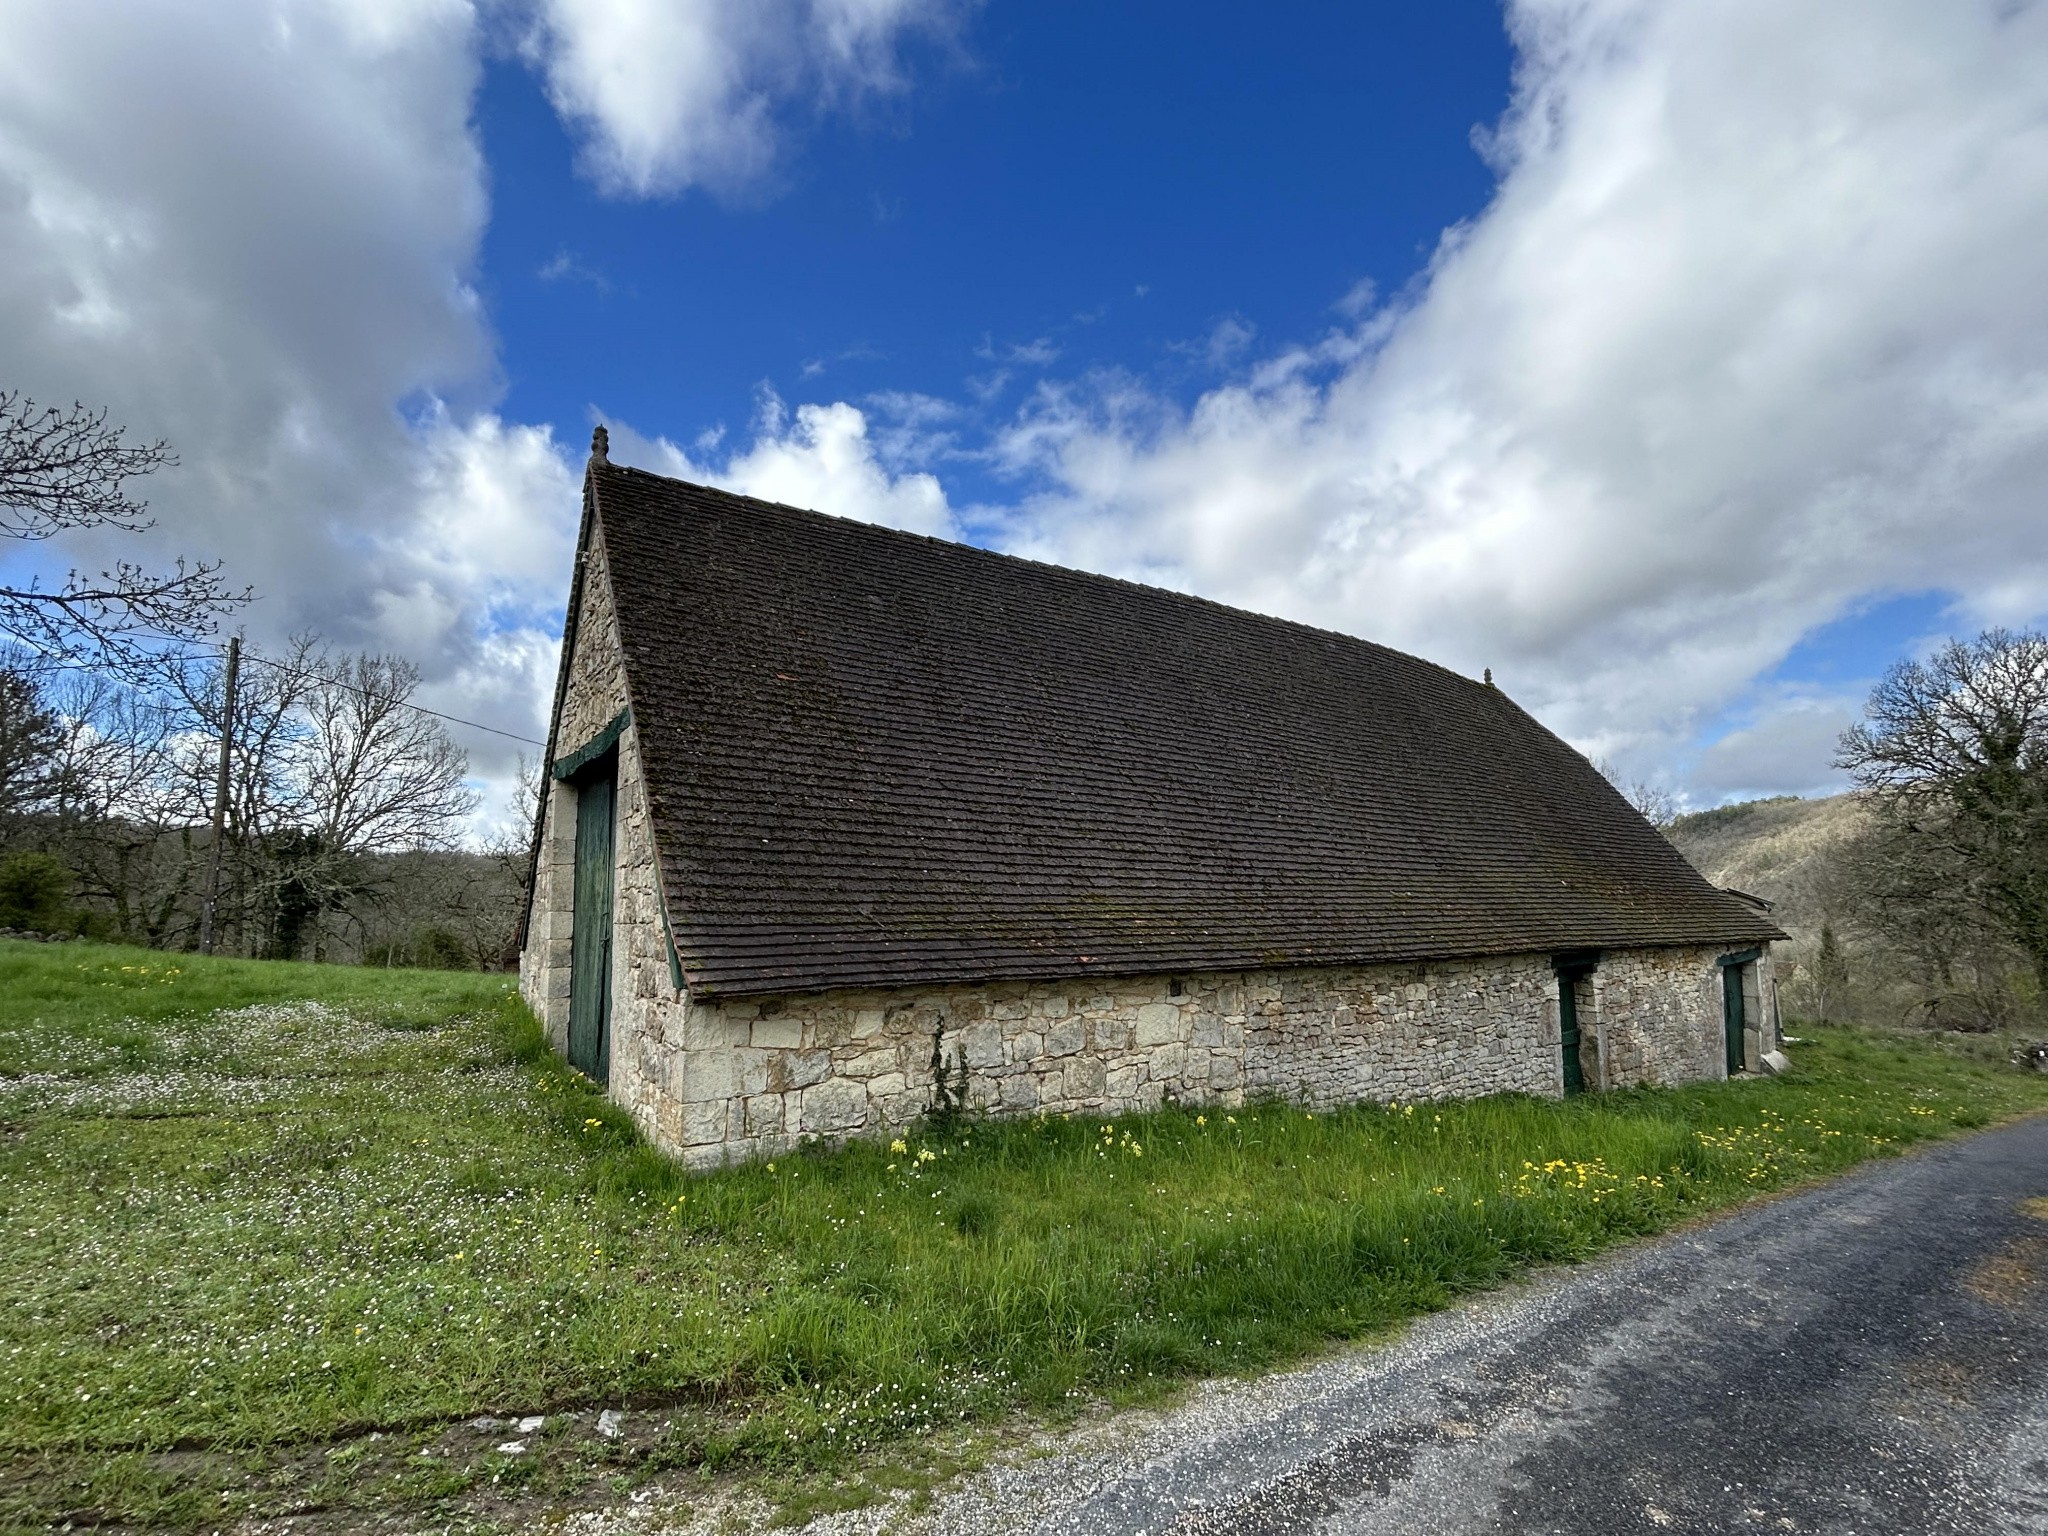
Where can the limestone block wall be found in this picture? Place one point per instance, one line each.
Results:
(1760, 1005)
(647, 1073)
(1456, 1029)
(1655, 1017)
(716, 1081)
(544, 962)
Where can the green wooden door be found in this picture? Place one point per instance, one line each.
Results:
(1568, 1021)
(1733, 1019)
(590, 942)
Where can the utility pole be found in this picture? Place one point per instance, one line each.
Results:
(220, 794)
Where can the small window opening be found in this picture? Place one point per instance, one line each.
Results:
(1173, 988)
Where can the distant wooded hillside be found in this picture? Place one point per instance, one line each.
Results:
(1825, 864)
(1785, 850)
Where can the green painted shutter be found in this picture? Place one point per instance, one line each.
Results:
(590, 950)
(1568, 1029)
(1732, 1014)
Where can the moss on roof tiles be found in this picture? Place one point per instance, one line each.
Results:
(879, 759)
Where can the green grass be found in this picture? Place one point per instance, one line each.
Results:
(252, 1209)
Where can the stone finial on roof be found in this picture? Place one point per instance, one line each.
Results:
(1489, 670)
(600, 446)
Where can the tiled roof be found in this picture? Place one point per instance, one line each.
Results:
(876, 759)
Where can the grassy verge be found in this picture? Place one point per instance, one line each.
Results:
(274, 1234)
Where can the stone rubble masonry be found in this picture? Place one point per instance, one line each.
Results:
(1656, 1017)
(718, 1081)
(715, 1081)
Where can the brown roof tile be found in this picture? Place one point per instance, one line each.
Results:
(877, 759)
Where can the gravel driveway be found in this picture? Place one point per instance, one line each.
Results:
(1868, 1356)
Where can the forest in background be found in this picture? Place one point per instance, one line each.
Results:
(160, 788)
(1921, 896)
(342, 822)
(1848, 961)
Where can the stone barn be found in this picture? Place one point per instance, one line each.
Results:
(840, 818)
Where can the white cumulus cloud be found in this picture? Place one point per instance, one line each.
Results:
(822, 457)
(251, 227)
(248, 227)
(1753, 327)
(477, 574)
(1751, 331)
(675, 93)
(1788, 749)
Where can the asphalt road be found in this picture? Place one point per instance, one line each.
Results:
(1870, 1356)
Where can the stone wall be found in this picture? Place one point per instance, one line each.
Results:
(646, 1072)
(1456, 1029)
(1760, 1007)
(1659, 1013)
(716, 1081)
(1655, 1017)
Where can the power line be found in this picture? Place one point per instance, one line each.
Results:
(336, 682)
(211, 652)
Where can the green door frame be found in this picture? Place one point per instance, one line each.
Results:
(1735, 1008)
(1571, 970)
(590, 934)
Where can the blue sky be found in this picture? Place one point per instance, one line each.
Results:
(1683, 361)
(1069, 188)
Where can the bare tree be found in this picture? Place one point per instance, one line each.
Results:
(493, 929)
(341, 770)
(442, 908)
(119, 823)
(1830, 972)
(381, 776)
(266, 755)
(1655, 804)
(31, 777)
(346, 803)
(63, 471)
(1953, 757)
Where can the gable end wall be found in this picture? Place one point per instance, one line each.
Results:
(593, 693)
